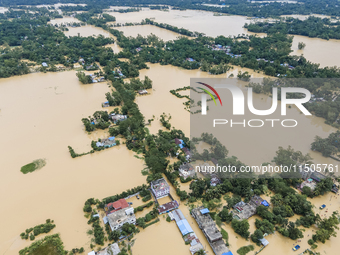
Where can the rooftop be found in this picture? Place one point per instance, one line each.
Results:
(168, 206)
(206, 223)
(208, 226)
(246, 210)
(159, 184)
(116, 206)
(112, 249)
(120, 216)
(264, 241)
(186, 167)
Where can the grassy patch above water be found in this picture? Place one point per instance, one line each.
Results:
(225, 236)
(35, 165)
(50, 245)
(245, 249)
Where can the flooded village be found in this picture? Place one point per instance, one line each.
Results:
(152, 212)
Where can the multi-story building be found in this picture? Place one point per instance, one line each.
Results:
(160, 188)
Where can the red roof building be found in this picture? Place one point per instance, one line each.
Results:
(116, 206)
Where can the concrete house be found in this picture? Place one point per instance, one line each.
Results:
(187, 170)
(118, 218)
(210, 230)
(116, 206)
(160, 188)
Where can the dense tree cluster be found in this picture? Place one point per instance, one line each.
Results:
(37, 230)
(181, 31)
(33, 39)
(311, 27)
(237, 7)
(327, 146)
(46, 245)
(241, 227)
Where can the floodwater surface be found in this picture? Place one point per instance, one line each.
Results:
(40, 116)
(317, 50)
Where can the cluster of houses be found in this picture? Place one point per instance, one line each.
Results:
(210, 230)
(219, 47)
(290, 67)
(244, 210)
(205, 169)
(95, 78)
(187, 233)
(225, 49)
(119, 73)
(117, 117)
(117, 214)
(185, 149)
(317, 99)
(107, 142)
(311, 178)
(160, 188)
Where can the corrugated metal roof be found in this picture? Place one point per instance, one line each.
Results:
(264, 241)
(204, 211)
(184, 227)
(265, 203)
(178, 215)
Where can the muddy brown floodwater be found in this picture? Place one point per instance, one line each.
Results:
(146, 30)
(264, 140)
(317, 50)
(87, 30)
(40, 115)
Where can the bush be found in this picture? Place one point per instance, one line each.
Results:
(225, 236)
(153, 222)
(310, 241)
(241, 227)
(37, 230)
(146, 198)
(245, 249)
(35, 165)
(87, 208)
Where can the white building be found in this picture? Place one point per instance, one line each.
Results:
(160, 188)
(119, 218)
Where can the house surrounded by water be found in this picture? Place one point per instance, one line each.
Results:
(160, 188)
(210, 230)
(118, 218)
